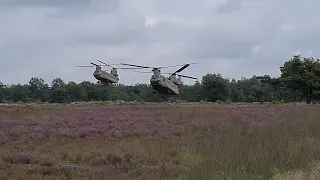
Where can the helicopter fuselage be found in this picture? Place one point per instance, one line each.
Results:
(105, 77)
(163, 85)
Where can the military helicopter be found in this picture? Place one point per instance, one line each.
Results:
(103, 76)
(165, 85)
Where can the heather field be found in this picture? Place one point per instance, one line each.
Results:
(160, 141)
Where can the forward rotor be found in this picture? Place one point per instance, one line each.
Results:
(175, 73)
(104, 64)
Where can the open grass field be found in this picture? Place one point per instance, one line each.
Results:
(160, 142)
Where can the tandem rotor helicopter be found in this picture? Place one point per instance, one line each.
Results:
(165, 85)
(103, 76)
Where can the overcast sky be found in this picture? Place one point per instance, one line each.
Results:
(236, 38)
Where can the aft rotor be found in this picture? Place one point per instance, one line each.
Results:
(156, 70)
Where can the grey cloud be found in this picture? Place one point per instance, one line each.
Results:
(64, 8)
(121, 37)
(185, 8)
(46, 3)
(86, 8)
(235, 38)
(139, 34)
(230, 6)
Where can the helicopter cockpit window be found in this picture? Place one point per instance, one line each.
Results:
(113, 71)
(98, 69)
(156, 73)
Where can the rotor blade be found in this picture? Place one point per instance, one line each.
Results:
(143, 71)
(135, 65)
(181, 75)
(85, 66)
(175, 65)
(94, 64)
(105, 63)
(157, 67)
(127, 68)
(115, 64)
(181, 69)
(186, 76)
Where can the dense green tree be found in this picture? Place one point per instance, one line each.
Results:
(215, 87)
(75, 92)
(57, 83)
(59, 95)
(237, 94)
(246, 87)
(303, 76)
(263, 88)
(1, 92)
(38, 89)
(19, 92)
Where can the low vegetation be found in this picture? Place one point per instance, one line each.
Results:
(159, 141)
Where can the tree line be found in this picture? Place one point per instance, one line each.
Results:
(299, 81)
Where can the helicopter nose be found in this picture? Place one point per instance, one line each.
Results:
(154, 80)
(96, 73)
